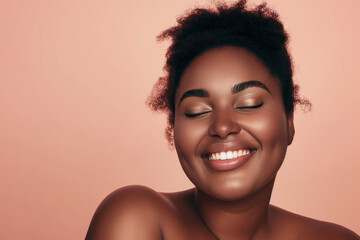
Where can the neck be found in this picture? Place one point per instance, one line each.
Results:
(245, 218)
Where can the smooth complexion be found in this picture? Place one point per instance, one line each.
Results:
(252, 119)
(231, 135)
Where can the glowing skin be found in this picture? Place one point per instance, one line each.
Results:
(231, 136)
(252, 119)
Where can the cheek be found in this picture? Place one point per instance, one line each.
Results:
(271, 132)
(269, 128)
(187, 135)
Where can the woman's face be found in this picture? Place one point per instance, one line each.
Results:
(231, 130)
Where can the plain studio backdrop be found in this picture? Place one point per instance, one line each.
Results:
(74, 77)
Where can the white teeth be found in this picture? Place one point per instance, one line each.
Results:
(228, 155)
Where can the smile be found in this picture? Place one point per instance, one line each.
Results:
(228, 160)
(227, 155)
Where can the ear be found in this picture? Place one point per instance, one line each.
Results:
(291, 128)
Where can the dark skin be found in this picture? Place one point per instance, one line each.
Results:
(227, 101)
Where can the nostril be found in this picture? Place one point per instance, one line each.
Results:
(223, 128)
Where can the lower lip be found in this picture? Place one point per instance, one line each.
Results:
(226, 165)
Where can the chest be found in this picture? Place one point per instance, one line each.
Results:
(191, 228)
(184, 225)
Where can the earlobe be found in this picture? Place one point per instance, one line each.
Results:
(291, 128)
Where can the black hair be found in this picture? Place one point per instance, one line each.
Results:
(258, 30)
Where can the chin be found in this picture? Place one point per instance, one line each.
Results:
(236, 191)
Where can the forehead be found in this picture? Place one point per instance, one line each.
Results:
(224, 67)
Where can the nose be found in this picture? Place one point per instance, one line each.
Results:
(223, 125)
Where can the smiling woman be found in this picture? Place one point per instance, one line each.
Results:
(230, 98)
(243, 113)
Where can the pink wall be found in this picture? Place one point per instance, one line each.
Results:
(74, 75)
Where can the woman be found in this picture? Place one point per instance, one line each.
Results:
(230, 98)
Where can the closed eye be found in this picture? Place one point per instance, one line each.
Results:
(192, 115)
(250, 107)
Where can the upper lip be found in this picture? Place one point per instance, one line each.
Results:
(225, 146)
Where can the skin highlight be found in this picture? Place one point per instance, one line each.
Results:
(229, 97)
(225, 204)
(226, 126)
(246, 189)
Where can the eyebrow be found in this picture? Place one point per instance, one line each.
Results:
(244, 85)
(194, 93)
(202, 93)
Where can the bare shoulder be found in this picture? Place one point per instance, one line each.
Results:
(132, 212)
(294, 226)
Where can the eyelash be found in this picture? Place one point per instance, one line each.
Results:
(251, 107)
(193, 115)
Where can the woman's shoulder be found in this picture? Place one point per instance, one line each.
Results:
(121, 213)
(291, 224)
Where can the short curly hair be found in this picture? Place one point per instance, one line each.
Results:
(258, 30)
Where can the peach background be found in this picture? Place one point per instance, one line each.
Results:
(74, 75)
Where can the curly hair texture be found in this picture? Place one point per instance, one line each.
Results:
(258, 30)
